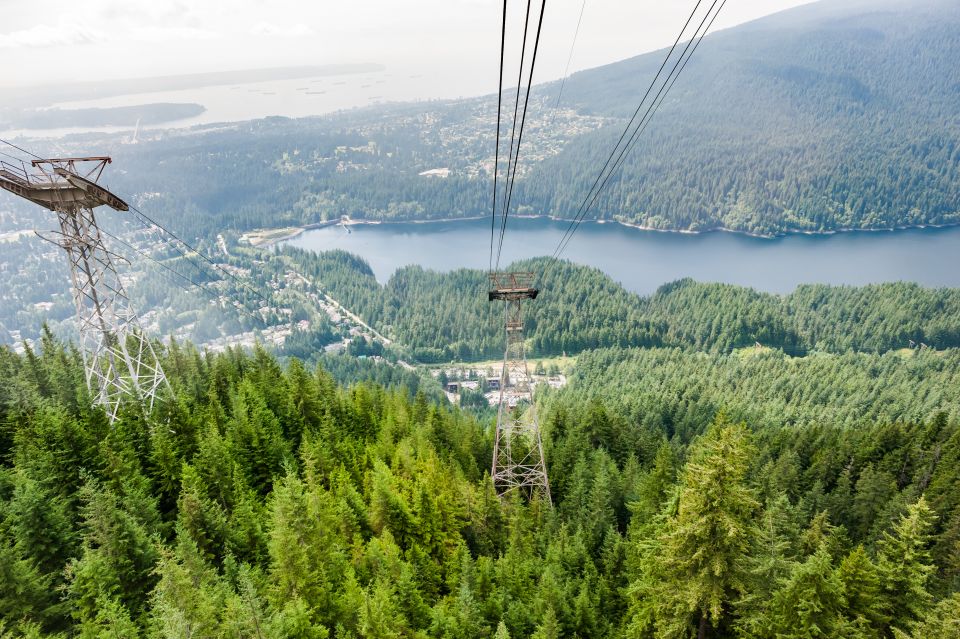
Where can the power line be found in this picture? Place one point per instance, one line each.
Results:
(513, 129)
(653, 83)
(566, 70)
(146, 220)
(496, 160)
(526, 102)
(652, 108)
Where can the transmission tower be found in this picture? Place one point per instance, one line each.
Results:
(518, 461)
(118, 358)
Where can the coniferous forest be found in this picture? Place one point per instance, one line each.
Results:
(262, 499)
(724, 463)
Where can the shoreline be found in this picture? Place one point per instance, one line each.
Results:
(347, 221)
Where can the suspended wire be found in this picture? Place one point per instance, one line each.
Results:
(21, 149)
(604, 175)
(512, 178)
(496, 161)
(574, 222)
(652, 109)
(657, 104)
(566, 70)
(214, 295)
(513, 129)
(13, 157)
(651, 112)
(146, 220)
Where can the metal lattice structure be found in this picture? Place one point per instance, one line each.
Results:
(518, 462)
(118, 358)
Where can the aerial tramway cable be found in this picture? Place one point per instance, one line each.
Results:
(149, 223)
(496, 157)
(621, 148)
(214, 295)
(511, 177)
(513, 131)
(566, 70)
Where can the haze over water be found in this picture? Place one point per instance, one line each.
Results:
(644, 260)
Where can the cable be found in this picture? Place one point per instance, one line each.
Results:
(566, 70)
(633, 118)
(651, 112)
(146, 255)
(146, 219)
(13, 157)
(496, 160)
(526, 102)
(659, 103)
(20, 149)
(652, 108)
(513, 128)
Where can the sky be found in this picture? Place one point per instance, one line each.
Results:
(456, 40)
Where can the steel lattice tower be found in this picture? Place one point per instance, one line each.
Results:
(118, 358)
(518, 461)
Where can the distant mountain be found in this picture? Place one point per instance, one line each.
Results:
(834, 115)
(838, 114)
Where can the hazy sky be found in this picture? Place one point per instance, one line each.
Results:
(57, 40)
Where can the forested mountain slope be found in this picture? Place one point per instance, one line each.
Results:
(446, 316)
(839, 114)
(268, 502)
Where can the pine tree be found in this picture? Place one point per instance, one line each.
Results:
(41, 524)
(942, 621)
(771, 561)
(905, 568)
(549, 628)
(117, 564)
(703, 551)
(862, 588)
(810, 603)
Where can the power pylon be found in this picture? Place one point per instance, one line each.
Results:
(518, 461)
(118, 358)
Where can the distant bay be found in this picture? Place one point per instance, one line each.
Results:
(644, 260)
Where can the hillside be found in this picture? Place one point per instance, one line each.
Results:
(838, 114)
(833, 115)
(266, 501)
(444, 317)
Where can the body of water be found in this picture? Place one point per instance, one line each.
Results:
(644, 260)
(292, 98)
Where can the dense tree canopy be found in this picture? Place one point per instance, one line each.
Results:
(262, 500)
(446, 316)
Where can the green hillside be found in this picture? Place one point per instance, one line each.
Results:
(445, 317)
(838, 114)
(260, 501)
(841, 114)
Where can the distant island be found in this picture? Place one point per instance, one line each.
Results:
(145, 114)
(38, 96)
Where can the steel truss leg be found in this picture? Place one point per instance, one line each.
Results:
(518, 461)
(118, 358)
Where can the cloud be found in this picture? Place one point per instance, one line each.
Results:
(270, 30)
(74, 33)
(44, 35)
(163, 34)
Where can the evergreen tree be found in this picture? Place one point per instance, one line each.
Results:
(904, 565)
(704, 548)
